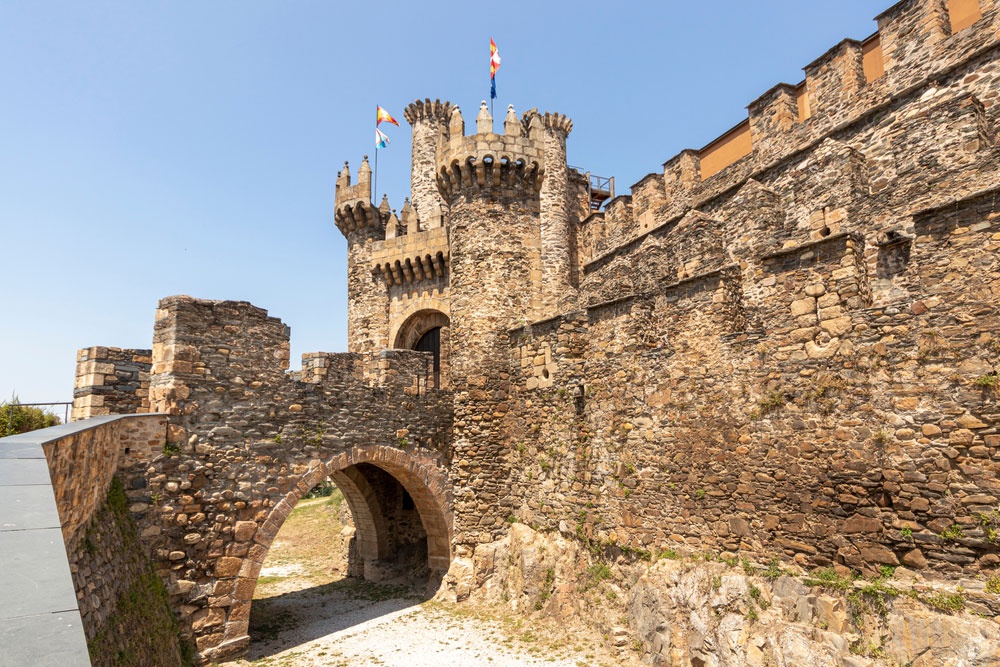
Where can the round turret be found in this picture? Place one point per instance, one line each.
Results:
(353, 208)
(429, 121)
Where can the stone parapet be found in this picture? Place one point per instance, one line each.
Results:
(502, 166)
(412, 258)
(916, 46)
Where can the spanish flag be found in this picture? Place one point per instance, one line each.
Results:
(383, 115)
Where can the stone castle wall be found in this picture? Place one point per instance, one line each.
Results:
(798, 356)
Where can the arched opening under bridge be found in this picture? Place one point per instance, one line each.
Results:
(314, 576)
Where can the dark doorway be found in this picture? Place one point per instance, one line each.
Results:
(431, 342)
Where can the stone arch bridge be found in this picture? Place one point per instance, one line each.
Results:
(244, 440)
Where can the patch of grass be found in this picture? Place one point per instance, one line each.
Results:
(771, 402)
(881, 438)
(873, 597)
(598, 572)
(774, 570)
(952, 533)
(828, 578)
(988, 381)
(947, 602)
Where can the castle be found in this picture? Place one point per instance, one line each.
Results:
(784, 344)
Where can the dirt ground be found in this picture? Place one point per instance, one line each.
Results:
(305, 614)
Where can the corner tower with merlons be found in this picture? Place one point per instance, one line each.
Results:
(485, 242)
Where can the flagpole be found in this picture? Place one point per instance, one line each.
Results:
(375, 180)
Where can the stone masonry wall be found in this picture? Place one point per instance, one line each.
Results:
(110, 381)
(246, 440)
(122, 603)
(797, 356)
(840, 432)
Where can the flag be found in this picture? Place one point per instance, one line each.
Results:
(383, 115)
(494, 66)
(494, 58)
(381, 141)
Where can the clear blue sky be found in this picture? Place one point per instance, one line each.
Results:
(158, 148)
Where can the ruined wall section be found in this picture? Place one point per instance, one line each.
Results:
(110, 381)
(244, 434)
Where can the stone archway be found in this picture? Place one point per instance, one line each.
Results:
(427, 329)
(419, 476)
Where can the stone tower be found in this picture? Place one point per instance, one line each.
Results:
(363, 225)
(486, 242)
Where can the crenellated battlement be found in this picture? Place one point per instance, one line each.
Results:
(426, 110)
(918, 43)
(353, 207)
(508, 165)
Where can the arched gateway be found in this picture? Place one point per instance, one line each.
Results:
(419, 477)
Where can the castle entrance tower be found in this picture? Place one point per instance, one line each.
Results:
(491, 184)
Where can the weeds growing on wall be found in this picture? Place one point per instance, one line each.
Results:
(141, 630)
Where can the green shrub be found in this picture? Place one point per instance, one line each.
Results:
(16, 418)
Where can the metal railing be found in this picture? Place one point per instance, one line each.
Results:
(599, 188)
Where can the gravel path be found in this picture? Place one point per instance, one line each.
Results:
(336, 625)
(308, 616)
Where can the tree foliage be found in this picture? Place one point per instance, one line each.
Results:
(16, 418)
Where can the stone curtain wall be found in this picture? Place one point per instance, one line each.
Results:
(798, 355)
(863, 436)
(110, 381)
(923, 62)
(246, 440)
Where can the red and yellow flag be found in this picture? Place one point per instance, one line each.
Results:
(383, 115)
